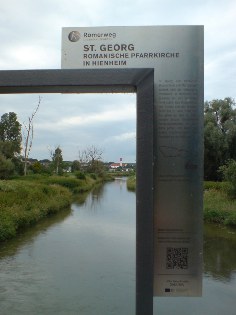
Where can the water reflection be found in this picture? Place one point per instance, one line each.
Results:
(219, 252)
(82, 261)
(219, 282)
(93, 203)
(28, 236)
(83, 265)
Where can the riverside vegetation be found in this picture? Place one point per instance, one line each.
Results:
(219, 204)
(219, 201)
(26, 200)
(131, 183)
(23, 201)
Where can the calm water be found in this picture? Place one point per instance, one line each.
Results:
(82, 261)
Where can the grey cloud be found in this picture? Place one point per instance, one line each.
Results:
(31, 38)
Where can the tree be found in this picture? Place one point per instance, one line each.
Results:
(57, 160)
(75, 166)
(90, 159)
(229, 174)
(219, 135)
(28, 136)
(10, 135)
(97, 167)
(10, 144)
(37, 167)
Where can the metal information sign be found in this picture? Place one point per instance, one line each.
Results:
(176, 54)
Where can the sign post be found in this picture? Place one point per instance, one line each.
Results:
(169, 136)
(176, 54)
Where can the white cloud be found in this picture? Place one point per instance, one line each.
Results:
(30, 34)
(125, 137)
(122, 114)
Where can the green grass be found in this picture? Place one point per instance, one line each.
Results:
(24, 203)
(131, 183)
(223, 186)
(219, 208)
(26, 200)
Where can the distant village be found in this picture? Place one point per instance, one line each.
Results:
(68, 165)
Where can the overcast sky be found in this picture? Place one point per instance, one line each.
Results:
(31, 39)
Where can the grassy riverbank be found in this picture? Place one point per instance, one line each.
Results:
(27, 200)
(131, 183)
(218, 206)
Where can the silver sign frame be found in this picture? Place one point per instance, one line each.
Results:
(113, 81)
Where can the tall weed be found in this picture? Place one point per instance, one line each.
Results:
(23, 203)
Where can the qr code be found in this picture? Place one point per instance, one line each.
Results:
(176, 258)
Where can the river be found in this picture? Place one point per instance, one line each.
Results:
(82, 261)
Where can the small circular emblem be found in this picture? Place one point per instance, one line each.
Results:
(74, 36)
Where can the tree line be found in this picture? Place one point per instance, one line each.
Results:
(219, 137)
(14, 140)
(219, 144)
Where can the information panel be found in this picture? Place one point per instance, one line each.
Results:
(176, 53)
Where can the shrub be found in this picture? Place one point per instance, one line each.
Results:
(131, 183)
(23, 203)
(93, 176)
(6, 167)
(216, 185)
(70, 183)
(229, 174)
(80, 175)
(215, 215)
(231, 219)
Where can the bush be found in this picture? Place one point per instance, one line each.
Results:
(231, 219)
(80, 175)
(93, 176)
(23, 203)
(219, 208)
(224, 186)
(70, 183)
(215, 215)
(6, 167)
(131, 183)
(229, 174)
